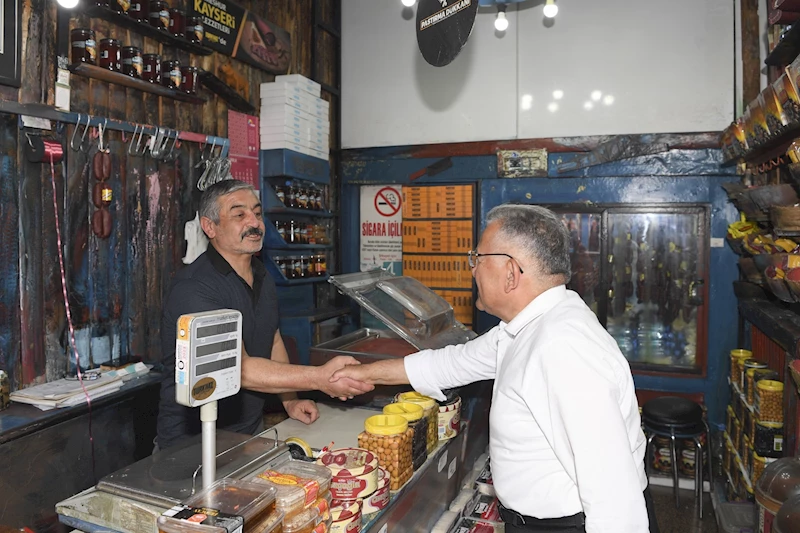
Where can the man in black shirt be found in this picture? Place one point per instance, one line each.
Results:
(228, 276)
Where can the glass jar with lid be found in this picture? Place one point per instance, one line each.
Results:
(177, 22)
(83, 46)
(389, 438)
(195, 30)
(110, 54)
(159, 15)
(152, 68)
(415, 416)
(132, 64)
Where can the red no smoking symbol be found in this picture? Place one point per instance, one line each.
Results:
(388, 201)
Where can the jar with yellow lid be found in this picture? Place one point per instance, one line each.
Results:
(750, 366)
(759, 464)
(416, 420)
(431, 410)
(738, 357)
(769, 400)
(389, 437)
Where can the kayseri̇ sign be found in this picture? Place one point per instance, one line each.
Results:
(232, 30)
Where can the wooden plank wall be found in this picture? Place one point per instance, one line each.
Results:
(115, 285)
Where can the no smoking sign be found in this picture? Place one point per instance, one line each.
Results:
(388, 201)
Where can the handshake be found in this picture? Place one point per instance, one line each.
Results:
(344, 377)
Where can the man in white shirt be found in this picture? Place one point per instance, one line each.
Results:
(565, 442)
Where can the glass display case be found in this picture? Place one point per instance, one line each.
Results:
(641, 270)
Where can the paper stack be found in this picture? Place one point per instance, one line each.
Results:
(67, 392)
(294, 116)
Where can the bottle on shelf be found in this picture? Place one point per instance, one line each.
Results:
(281, 229)
(311, 234)
(320, 265)
(280, 192)
(291, 194)
(302, 198)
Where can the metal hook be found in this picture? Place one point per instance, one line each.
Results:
(101, 132)
(74, 132)
(27, 136)
(170, 156)
(83, 137)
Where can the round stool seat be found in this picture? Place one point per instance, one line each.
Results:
(673, 413)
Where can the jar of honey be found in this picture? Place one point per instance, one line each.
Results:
(152, 68)
(171, 74)
(195, 31)
(132, 64)
(159, 15)
(177, 22)
(110, 54)
(84, 47)
(189, 79)
(137, 11)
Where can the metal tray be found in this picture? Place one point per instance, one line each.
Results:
(340, 345)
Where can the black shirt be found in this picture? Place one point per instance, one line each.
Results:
(210, 283)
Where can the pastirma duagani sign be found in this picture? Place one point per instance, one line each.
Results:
(443, 27)
(232, 30)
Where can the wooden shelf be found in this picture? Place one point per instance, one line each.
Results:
(775, 147)
(786, 50)
(97, 73)
(145, 29)
(234, 99)
(309, 213)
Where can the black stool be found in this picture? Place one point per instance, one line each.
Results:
(678, 418)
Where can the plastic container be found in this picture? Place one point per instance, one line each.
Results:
(323, 505)
(449, 419)
(736, 436)
(750, 365)
(687, 453)
(307, 521)
(293, 494)
(159, 15)
(253, 502)
(355, 472)
(431, 412)
(166, 524)
(83, 46)
(768, 439)
(109, 54)
(389, 438)
(415, 416)
(319, 474)
(378, 500)
(787, 519)
(769, 400)
(152, 68)
(738, 401)
(738, 357)
(779, 482)
(132, 64)
(346, 517)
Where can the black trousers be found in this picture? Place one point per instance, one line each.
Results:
(570, 524)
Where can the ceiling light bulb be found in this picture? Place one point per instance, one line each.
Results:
(558, 94)
(588, 105)
(550, 9)
(69, 4)
(596, 95)
(409, 3)
(501, 22)
(608, 99)
(552, 107)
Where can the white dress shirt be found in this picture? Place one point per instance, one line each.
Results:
(564, 428)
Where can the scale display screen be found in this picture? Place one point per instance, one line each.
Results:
(208, 356)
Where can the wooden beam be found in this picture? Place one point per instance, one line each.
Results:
(751, 62)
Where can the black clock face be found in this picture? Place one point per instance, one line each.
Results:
(443, 27)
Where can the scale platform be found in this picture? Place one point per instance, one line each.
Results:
(172, 475)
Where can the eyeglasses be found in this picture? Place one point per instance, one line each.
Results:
(473, 255)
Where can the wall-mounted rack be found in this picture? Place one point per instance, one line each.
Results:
(51, 113)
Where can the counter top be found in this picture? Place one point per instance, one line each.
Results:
(21, 419)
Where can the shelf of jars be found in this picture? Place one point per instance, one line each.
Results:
(294, 197)
(297, 269)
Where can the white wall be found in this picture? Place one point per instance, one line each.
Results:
(669, 67)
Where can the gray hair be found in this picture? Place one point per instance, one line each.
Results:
(538, 232)
(209, 206)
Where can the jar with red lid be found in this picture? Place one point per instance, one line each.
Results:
(110, 54)
(119, 6)
(195, 31)
(84, 47)
(177, 21)
(132, 61)
(189, 79)
(171, 74)
(159, 15)
(152, 68)
(138, 11)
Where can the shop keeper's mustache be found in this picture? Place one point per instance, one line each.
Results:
(252, 231)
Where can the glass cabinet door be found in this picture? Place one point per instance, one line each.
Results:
(586, 254)
(655, 266)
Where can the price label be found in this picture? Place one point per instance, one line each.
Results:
(452, 468)
(442, 461)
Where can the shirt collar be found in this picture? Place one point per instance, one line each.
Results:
(223, 267)
(538, 306)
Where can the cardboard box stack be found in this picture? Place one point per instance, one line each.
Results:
(294, 117)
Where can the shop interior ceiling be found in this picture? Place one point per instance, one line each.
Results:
(115, 284)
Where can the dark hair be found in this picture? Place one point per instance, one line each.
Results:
(538, 232)
(209, 207)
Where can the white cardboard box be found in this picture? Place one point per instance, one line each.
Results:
(290, 92)
(301, 130)
(302, 105)
(302, 141)
(274, 111)
(309, 85)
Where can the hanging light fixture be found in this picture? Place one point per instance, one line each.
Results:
(501, 22)
(69, 4)
(550, 9)
(409, 3)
